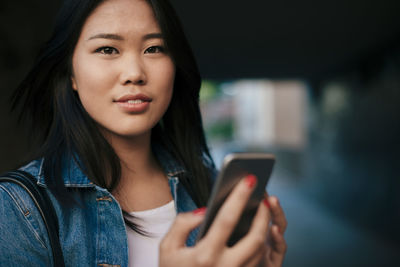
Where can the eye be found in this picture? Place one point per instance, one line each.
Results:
(154, 49)
(107, 50)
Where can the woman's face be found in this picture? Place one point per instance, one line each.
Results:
(121, 72)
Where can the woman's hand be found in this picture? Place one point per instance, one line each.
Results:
(212, 250)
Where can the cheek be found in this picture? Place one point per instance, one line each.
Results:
(90, 79)
(92, 90)
(166, 76)
(161, 78)
(169, 80)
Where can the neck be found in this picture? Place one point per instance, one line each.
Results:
(136, 156)
(143, 184)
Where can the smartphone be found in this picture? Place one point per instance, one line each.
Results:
(235, 167)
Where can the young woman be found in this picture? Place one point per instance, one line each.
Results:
(113, 103)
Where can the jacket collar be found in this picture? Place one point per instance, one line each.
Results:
(74, 177)
(71, 173)
(169, 164)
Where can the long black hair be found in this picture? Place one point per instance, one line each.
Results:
(63, 129)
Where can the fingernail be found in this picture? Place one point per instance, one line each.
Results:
(251, 180)
(266, 203)
(279, 229)
(200, 211)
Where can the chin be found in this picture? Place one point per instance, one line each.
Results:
(134, 134)
(127, 133)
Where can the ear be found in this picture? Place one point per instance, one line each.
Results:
(73, 82)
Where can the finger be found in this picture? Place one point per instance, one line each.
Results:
(255, 239)
(278, 216)
(180, 229)
(277, 240)
(278, 245)
(230, 212)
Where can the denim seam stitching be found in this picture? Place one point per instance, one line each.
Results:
(21, 209)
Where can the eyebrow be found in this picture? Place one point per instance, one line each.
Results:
(155, 35)
(106, 36)
(112, 36)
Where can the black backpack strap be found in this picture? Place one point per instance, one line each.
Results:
(44, 206)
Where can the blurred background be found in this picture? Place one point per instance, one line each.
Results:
(317, 83)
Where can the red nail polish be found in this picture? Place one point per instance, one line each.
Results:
(200, 211)
(251, 180)
(266, 203)
(279, 229)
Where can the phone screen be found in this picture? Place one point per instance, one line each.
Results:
(235, 167)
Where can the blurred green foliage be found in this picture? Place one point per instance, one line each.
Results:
(209, 90)
(220, 130)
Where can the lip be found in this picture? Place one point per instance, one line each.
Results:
(127, 103)
(128, 97)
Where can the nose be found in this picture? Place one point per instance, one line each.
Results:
(133, 71)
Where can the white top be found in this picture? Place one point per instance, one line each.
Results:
(143, 250)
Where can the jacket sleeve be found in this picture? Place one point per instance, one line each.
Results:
(23, 236)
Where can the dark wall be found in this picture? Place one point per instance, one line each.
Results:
(24, 25)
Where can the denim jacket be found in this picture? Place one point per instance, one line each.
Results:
(91, 234)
